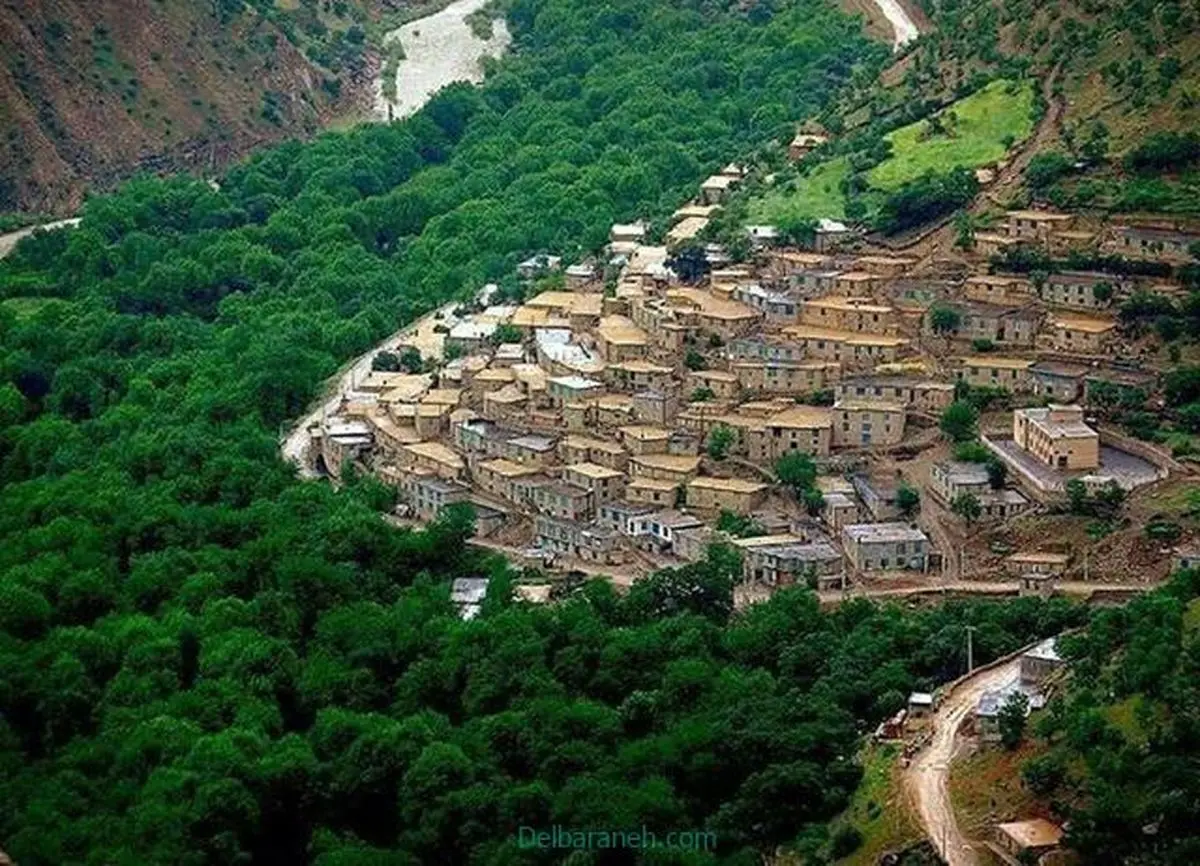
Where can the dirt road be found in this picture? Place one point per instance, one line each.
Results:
(421, 334)
(9, 241)
(926, 779)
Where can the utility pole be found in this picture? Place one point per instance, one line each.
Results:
(1086, 549)
(970, 649)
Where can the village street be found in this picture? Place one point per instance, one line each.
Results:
(927, 778)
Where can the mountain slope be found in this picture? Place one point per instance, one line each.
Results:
(96, 91)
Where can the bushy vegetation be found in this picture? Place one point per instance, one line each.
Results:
(1124, 737)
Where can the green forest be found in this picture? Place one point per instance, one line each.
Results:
(208, 661)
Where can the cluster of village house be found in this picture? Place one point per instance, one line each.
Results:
(584, 433)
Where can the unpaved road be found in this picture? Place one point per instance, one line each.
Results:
(926, 779)
(9, 241)
(439, 49)
(295, 446)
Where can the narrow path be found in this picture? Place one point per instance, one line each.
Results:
(926, 779)
(8, 242)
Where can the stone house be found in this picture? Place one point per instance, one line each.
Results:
(1057, 381)
(604, 484)
(863, 423)
(991, 371)
(733, 494)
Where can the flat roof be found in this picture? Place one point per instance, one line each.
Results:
(437, 452)
(733, 485)
(868, 405)
(1034, 833)
(808, 332)
(1087, 324)
(575, 383)
(961, 472)
(1043, 215)
(593, 470)
(643, 432)
(1001, 363)
(672, 462)
(802, 417)
(506, 468)
(533, 442)
(882, 532)
(650, 484)
(589, 442)
(848, 304)
(1069, 429)
(1040, 557)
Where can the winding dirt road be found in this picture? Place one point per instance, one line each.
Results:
(926, 779)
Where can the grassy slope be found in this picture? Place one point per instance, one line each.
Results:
(985, 120)
(878, 810)
(814, 196)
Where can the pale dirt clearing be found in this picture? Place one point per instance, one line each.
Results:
(9, 241)
(439, 49)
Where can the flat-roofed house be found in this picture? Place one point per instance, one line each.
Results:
(644, 439)
(496, 477)
(803, 144)
(531, 450)
(1011, 326)
(564, 501)
(622, 516)
(507, 404)
(651, 491)
(640, 376)
(1027, 841)
(885, 266)
(949, 479)
(847, 347)
(1158, 244)
(879, 494)
(537, 265)
(470, 336)
(785, 377)
(572, 389)
(807, 429)
(1080, 290)
(997, 289)
(583, 541)
(588, 449)
(580, 276)
(708, 313)
(655, 407)
(659, 528)
(428, 495)
(988, 244)
(849, 314)
(861, 423)
(1036, 225)
(885, 546)
(829, 234)
(839, 509)
(605, 484)
(675, 468)
(1057, 381)
(732, 494)
(993, 371)
(1081, 334)
(785, 560)
(437, 458)
(1057, 436)
(723, 384)
(716, 189)
(776, 307)
(1037, 562)
(620, 340)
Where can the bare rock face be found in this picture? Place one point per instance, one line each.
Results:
(92, 91)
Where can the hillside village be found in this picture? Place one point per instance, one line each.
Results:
(635, 408)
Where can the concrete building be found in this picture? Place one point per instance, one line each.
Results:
(571, 389)
(427, 495)
(1037, 562)
(849, 314)
(732, 494)
(808, 429)
(1057, 381)
(1041, 662)
(990, 371)
(661, 526)
(604, 484)
(863, 423)
(1021, 842)
(885, 546)
(949, 479)
(1057, 436)
(1081, 334)
(1080, 290)
(784, 560)
(583, 541)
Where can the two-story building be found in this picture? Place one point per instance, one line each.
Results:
(725, 494)
(1057, 436)
(863, 423)
(885, 547)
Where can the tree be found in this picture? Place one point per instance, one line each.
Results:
(1011, 719)
(506, 333)
(797, 471)
(387, 362)
(908, 500)
(966, 505)
(694, 361)
(720, 440)
(1044, 774)
(410, 360)
(1103, 292)
(944, 320)
(959, 421)
(703, 394)
(814, 501)
(997, 472)
(964, 231)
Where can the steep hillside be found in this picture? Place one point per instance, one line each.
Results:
(96, 90)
